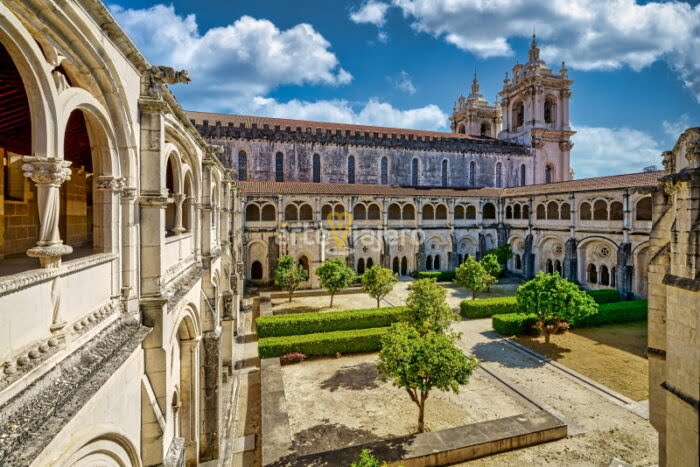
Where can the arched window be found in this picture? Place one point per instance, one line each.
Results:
(462, 130)
(370, 263)
(444, 172)
(471, 212)
(557, 266)
(256, 271)
(351, 169)
(522, 175)
(518, 114)
(541, 212)
(384, 171)
(252, 213)
(326, 210)
(306, 213)
(526, 211)
(404, 266)
(489, 211)
(509, 212)
(565, 211)
(600, 210)
(279, 167)
(485, 129)
(428, 212)
(395, 265)
(549, 268)
(441, 212)
(499, 175)
(644, 209)
(339, 209)
(316, 168)
(516, 211)
(472, 173)
(459, 212)
(394, 213)
(585, 211)
(414, 172)
(616, 211)
(304, 263)
(409, 212)
(373, 212)
(552, 211)
(429, 263)
(549, 110)
(268, 213)
(604, 275)
(359, 212)
(518, 262)
(361, 266)
(436, 263)
(592, 274)
(290, 213)
(548, 174)
(242, 166)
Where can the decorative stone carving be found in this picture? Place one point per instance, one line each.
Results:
(116, 184)
(668, 161)
(159, 75)
(566, 145)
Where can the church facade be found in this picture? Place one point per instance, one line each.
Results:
(129, 229)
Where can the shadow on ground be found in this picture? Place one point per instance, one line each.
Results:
(355, 378)
(498, 351)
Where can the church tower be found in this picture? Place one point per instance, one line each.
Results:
(474, 115)
(536, 110)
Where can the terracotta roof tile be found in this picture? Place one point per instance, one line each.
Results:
(640, 179)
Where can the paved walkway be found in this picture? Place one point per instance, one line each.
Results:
(606, 430)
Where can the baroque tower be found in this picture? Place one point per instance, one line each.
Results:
(474, 115)
(536, 107)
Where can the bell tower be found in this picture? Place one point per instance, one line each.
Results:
(474, 115)
(536, 113)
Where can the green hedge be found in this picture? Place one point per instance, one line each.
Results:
(323, 343)
(512, 324)
(604, 295)
(614, 313)
(441, 276)
(487, 307)
(309, 323)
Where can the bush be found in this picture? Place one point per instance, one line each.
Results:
(323, 343)
(513, 324)
(357, 280)
(440, 276)
(292, 357)
(309, 323)
(487, 307)
(615, 313)
(604, 295)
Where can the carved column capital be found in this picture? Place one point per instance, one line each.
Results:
(109, 183)
(46, 171)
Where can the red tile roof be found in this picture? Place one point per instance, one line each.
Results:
(640, 179)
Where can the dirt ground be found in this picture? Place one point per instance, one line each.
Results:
(341, 402)
(613, 355)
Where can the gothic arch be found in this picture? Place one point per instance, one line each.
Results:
(111, 448)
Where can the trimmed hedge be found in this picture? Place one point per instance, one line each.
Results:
(441, 276)
(616, 313)
(604, 295)
(323, 343)
(487, 307)
(512, 324)
(308, 323)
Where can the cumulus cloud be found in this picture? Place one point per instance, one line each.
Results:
(675, 128)
(403, 83)
(602, 151)
(248, 57)
(588, 34)
(374, 112)
(371, 12)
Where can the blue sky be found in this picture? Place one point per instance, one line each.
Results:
(403, 63)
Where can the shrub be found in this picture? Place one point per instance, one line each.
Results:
(512, 324)
(604, 295)
(323, 343)
(292, 357)
(309, 323)
(357, 280)
(487, 307)
(615, 313)
(440, 276)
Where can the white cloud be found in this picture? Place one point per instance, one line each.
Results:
(373, 112)
(383, 37)
(403, 83)
(602, 151)
(675, 128)
(248, 57)
(371, 12)
(588, 34)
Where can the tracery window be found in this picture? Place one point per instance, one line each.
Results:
(444, 172)
(279, 167)
(414, 172)
(316, 168)
(242, 166)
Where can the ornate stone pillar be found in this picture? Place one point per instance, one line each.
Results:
(211, 397)
(48, 174)
(179, 201)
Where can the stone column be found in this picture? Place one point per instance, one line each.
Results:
(570, 260)
(189, 394)
(623, 270)
(211, 397)
(179, 201)
(528, 258)
(48, 174)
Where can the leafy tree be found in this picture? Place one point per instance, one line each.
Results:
(428, 310)
(335, 275)
(471, 275)
(420, 364)
(503, 253)
(493, 268)
(367, 459)
(289, 274)
(378, 282)
(555, 301)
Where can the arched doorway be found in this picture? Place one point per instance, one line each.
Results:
(256, 271)
(592, 274)
(395, 265)
(361, 266)
(370, 263)
(188, 408)
(304, 263)
(549, 267)
(404, 266)
(604, 275)
(429, 263)
(436, 263)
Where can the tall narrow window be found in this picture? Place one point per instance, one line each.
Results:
(351, 169)
(384, 171)
(242, 166)
(414, 172)
(444, 172)
(499, 175)
(279, 167)
(317, 168)
(548, 174)
(549, 110)
(472, 173)
(522, 175)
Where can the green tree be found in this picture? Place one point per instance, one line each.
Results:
(555, 301)
(289, 274)
(420, 364)
(367, 459)
(471, 275)
(378, 282)
(503, 253)
(335, 275)
(428, 310)
(493, 268)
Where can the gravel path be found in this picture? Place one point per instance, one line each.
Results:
(609, 430)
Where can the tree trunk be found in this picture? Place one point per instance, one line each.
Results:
(332, 295)
(421, 413)
(378, 305)
(546, 337)
(291, 292)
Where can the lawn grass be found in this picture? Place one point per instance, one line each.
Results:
(613, 355)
